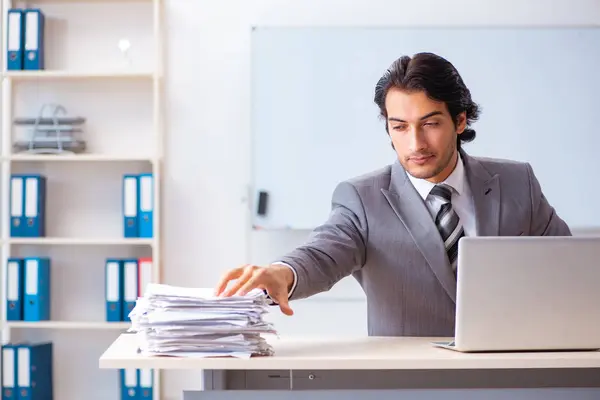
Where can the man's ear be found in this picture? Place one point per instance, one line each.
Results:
(461, 122)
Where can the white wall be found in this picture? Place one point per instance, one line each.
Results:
(208, 90)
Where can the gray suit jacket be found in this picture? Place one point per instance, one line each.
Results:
(381, 232)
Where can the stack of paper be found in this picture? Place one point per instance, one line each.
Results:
(192, 322)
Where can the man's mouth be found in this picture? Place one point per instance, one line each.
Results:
(420, 159)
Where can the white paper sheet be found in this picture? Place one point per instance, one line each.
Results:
(192, 322)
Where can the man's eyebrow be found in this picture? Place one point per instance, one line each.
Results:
(431, 114)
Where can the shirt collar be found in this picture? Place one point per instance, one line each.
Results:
(456, 180)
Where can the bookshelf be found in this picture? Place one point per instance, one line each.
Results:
(121, 97)
(79, 158)
(73, 75)
(84, 325)
(74, 241)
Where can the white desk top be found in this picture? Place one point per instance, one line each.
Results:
(351, 353)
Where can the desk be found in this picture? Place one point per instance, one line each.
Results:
(386, 364)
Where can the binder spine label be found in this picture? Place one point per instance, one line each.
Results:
(12, 292)
(8, 368)
(31, 274)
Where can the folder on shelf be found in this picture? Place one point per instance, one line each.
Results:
(35, 206)
(129, 384)
(34, 39)
(130, 286)
(114, 290)
(145, 387)
(34, 371)
(130, 205)
(14, 289)
(9, 372)
(37, 289)
(15, 29)
(17, 203)
(146, 205)
(144, 274)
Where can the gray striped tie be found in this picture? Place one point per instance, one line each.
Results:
(448, 223)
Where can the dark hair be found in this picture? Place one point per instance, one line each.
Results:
(438, 78)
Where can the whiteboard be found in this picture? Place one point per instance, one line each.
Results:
(314, 122)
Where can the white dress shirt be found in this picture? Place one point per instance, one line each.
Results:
(462, 201)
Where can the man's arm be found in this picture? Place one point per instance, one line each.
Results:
(334, 250)
(544, 220)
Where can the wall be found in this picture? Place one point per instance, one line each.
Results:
(207, 151)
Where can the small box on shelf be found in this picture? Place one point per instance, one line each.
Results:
(136, 383)
(27, 371)
(126, 280)
(138, 205)
(25, 39)
(27, 205)
(28, 289)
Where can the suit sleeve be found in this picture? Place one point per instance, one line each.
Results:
(544, 219)
(335, 249)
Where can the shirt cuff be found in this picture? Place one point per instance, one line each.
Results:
(293, 284)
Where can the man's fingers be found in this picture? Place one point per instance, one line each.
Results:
(247, 274)
(230, 275)
(250, 284)
(282, 299)
(285, 308)
(250, 277)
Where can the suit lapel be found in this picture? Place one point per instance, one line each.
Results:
(485, 189)
(412, 211)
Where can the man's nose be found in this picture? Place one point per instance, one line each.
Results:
(416, 140)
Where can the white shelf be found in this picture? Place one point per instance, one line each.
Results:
(78, 241)
(126, 127)
(89, 1)
(55, 75)
(77, 158)
(89, 325)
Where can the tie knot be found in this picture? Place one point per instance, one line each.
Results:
(442, 191)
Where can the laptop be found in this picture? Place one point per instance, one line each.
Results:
(527, 294)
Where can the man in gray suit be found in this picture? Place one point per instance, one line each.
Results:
(397, 229)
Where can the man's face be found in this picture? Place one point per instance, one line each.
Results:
(423, 134)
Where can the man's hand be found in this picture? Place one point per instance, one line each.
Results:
(275, 279)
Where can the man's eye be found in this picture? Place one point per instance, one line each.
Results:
(432, 124)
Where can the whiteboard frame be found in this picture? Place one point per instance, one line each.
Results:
(253, 188)
(372, 13)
